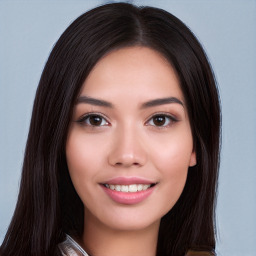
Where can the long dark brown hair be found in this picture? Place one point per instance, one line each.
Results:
(48, 205)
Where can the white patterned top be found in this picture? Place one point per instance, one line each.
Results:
(71, 248)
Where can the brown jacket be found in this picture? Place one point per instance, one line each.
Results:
(199, 253)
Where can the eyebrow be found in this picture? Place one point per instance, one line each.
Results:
(162, 101)
(151, 103)
(93, 101)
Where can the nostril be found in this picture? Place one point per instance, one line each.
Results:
(127, 159)
(126, 164)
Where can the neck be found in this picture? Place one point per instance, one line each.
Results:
(102, 240)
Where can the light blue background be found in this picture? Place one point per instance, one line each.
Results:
(227, 29)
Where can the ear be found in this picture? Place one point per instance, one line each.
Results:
(192, 159)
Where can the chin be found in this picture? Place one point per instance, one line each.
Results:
(131, 219)
(132, 225)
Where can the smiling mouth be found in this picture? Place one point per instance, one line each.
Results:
(132, 188)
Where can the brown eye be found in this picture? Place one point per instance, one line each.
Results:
(161, 120)
(93, 120)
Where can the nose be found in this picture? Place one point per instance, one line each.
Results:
(127, 149)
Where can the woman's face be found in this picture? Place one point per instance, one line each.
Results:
(130, 143)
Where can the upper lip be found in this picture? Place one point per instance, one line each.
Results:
(128, 181)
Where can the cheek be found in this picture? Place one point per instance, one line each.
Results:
(173, 178)
(82, 160)
(173, 153)
(83, 153)
(172, 161)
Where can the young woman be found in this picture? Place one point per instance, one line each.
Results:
(123, 150)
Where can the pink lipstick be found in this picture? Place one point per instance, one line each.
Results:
(128, 190)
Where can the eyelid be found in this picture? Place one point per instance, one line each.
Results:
(88, 114)
(173, 118)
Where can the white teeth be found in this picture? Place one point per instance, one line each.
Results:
(133, 188)
(144, 187)
(124, 188)
(128, 188)
(140, 187)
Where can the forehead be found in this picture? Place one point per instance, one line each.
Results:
(133, 71)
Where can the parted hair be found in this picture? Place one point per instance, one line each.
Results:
(48, 205)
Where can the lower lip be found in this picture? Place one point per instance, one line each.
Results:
(128, 197)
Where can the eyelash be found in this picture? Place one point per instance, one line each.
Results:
(86, 117)
(168, 116)
(171, 120)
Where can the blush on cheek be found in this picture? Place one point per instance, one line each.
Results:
(173, 159)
